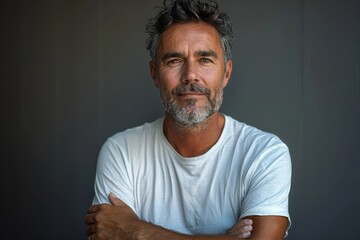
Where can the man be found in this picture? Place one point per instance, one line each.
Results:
(196, 173)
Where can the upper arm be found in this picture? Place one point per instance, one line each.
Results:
(266, 201)
(112, 175)
(268, 227)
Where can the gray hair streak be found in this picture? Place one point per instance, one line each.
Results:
(183, 11)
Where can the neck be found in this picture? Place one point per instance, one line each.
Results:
(194, 140)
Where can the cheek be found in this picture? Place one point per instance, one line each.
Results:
(214, 79)
(168, 79)
(213, 74)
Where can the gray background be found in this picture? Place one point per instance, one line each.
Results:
(75, 72)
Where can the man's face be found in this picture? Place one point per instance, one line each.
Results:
(190, 72)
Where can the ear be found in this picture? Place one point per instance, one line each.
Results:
(228, 71)
(153, 74)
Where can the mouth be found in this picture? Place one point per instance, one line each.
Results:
(191, 90)
(191, 95)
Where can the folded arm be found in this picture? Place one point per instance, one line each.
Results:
(118, 221)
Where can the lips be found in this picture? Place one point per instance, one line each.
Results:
(191, 89)
(191, 94)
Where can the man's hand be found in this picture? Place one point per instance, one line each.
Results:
(114, 221)
(241, 229)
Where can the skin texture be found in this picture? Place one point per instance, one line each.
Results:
(188, 53)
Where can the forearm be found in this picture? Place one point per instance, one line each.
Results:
(148, 231)
(118, 221)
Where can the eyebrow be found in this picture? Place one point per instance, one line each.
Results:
(171, 55)
(208, 53)
(205, 53)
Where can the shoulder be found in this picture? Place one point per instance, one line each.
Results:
(250, 134)
(125, 141)
(137, 134)
(255, 143)
(119, 147)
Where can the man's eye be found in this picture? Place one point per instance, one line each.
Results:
(205, 60)
(174, 61)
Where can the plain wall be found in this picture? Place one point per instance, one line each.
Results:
(75, 72)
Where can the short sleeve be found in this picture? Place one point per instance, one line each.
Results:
(113, 175)
(269, 183)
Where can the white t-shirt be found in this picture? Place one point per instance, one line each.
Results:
(247, 172)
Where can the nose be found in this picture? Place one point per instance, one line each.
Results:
(189, 72)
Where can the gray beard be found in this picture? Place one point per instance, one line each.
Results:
(189, 115)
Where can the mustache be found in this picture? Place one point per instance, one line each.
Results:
(191, 87)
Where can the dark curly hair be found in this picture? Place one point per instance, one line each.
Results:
(182, 11)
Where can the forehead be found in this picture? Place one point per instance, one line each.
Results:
(187, 37)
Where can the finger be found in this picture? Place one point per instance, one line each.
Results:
(94, 208)
(242, 229)
(241, 232)
(246, 222)
(242, 223)
(246, 228)
(115, 201)
(90, 219)
(244, 235)
(242, 226)
(92, 237)
(91, 230)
